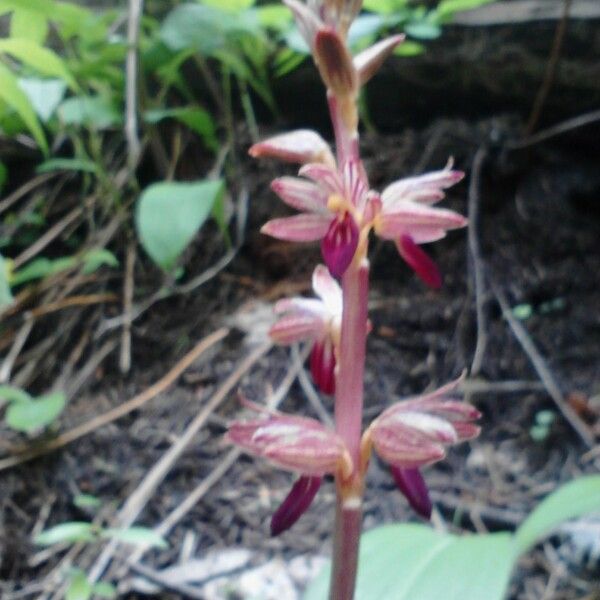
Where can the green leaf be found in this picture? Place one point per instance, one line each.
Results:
(94, 259)
(39, 412)
(6, 296)
(169, 215)
(572, 500)
(410, 562)
(274, 16)
(16, 98)
(13, 394)
(3, 176)
(79, 587)
(28, 24)
(423, 30)
(41, 267)
(71, 532)
(87, 501)
(384, 6)
(41, 59)
(67, 164)
(45, 95)
(89, 111)
(447, 8)
(409, 49)
(522, 311)
(137, 536)
(197, 119)
(229, 5)
(105, 590)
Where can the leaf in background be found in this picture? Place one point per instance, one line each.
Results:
(384, 6)
(94, 259)
(274, 16)
(6, 296)
(230, 5)
(41, 59)
(71, 532)
(409, 49)
(105, 590)
(13, 394)
(41, 267)
(423, 30)
(44, 94)
(79, 587)
(410, 562)
(67, 164)
(194, 117)
(572, 500)
(169, 215)
(3, 176)
(205, 28)
(137, 536)
(365, 26)
(87, 501)
(447, 8)
(37, 413)
(16, 98)
(28, 24)
(90, 111)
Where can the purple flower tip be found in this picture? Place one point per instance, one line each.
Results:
(295, 504)
(411, 483)
(339, 244)
(419, 261)
(322, 366)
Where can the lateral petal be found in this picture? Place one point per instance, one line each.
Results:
(301, 194)
(369, 61)
(299, 146)
(306, 227)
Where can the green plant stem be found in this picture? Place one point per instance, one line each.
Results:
(348, 424)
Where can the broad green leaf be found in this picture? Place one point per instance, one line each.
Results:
(6, 296)
(137, 536)
(39, 412)
(71, 532)
(67, 164)
(13, 394)
(169, 215)
(28, 24)
(572, 500)
(87, 501)
(384, 6)
(79, 587)
(41, 59)
(44, 94)
(194, 117)
(94, 259)
(16, 98)
(89, 111)
(410, 562)
(105, 590)
(423, 30)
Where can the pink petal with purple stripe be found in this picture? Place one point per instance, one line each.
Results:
(301, 194)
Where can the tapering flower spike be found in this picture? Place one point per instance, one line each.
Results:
(314, 319)
(416, 432)
(403, 213)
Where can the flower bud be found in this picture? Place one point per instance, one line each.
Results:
(335, 63)
(322, 365)
(300, 146)
(412, 485)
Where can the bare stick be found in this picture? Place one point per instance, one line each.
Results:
(16, 348)
(477, 260)
(131, 71)
(128, 285)
(26, 454)
(139, 498)
(539, 364)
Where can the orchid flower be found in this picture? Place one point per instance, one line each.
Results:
(314, 319)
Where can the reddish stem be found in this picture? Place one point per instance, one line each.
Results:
(348, 424)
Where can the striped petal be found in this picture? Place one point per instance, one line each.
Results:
(419, 261)
(301, 194)
(369, 61)
(300, 146)
(425, 188)
(306, 227)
